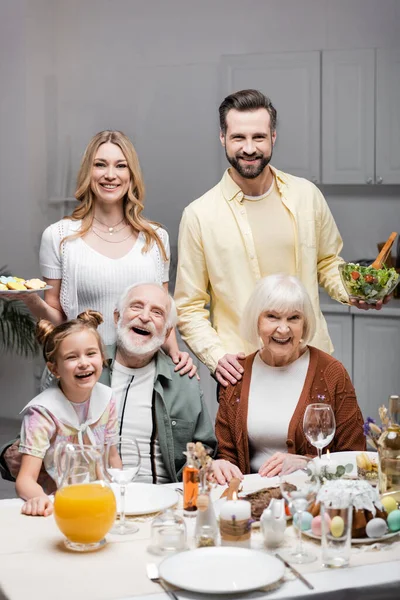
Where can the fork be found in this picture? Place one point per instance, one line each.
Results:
(152, 573)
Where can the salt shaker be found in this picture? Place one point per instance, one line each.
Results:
(273, 523)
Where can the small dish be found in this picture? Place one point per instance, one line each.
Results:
(16, 292)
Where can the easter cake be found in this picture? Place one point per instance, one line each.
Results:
(368, 510)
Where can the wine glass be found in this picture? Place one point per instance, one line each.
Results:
(122, 459)
(319, 425)
(300, 492)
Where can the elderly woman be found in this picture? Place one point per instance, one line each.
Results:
(259, 420)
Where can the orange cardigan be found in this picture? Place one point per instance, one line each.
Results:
(325, 376)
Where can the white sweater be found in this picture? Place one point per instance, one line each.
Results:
(90, 280)
(273, 391)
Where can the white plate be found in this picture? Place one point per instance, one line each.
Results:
(365, 540)
(48, 287)
(146, 498)
(221, 570)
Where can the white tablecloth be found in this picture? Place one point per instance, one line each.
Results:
(34, 564)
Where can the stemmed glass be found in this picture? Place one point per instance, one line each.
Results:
(299, 495)
(319, 425)
(122, 461)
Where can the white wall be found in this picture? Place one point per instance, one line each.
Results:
(151, 69)
(26, 58)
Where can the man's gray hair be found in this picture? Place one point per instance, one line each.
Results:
(123, 300)
(280, 293)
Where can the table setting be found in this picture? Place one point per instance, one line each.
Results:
(29, 543)
(295, 535)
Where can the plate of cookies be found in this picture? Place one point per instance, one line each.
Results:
(18, 285)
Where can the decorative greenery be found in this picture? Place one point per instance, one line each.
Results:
(17, 326)
(372, 431)
(327, 472)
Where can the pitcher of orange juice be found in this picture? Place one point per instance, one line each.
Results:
(84, 504)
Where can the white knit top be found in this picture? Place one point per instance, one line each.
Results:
(90, 280)
(273, 396)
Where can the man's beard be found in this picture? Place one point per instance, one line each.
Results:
(134, 346)
(249, 171)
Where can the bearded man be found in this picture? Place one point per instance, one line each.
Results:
(156, 405)
(255, 222)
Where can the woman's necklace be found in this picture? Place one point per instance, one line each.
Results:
(111, 229)
(111, 241)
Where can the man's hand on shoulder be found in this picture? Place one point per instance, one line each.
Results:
(184, 364)
(362, 305)
(229, 370)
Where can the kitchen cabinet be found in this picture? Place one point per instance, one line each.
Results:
(292, 81)
(368, 344)
(388, 116)
(348, 86)
(376, 355)
(361, 116)
(340, 327)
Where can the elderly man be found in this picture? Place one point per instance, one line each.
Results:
(160, 408)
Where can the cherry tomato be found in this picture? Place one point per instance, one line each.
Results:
(287, 510)
(370, 279)
(355, 275)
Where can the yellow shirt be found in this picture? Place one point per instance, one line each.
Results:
(272, 228)
(218, 266)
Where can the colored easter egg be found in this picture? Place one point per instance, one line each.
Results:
(316, 524)
(337, 526)
(376, 528)
(305, 520)
(393, 520)
(389, 503)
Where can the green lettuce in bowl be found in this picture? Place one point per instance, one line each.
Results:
(366, 283)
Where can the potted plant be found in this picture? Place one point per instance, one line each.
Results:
(17, 326)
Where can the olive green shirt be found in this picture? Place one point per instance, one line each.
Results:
(180, 413)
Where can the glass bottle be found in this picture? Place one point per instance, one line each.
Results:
(168, 533)
(206, 530)
(389, 450)
(190, 477)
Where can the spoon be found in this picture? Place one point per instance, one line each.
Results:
(383, 254)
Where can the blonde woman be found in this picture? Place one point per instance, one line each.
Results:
(91, 256)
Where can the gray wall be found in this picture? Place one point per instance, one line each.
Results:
(71, 68)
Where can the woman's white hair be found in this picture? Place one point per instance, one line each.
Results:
(172, 316)
(280, 293)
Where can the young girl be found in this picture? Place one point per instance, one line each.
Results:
(78, 409)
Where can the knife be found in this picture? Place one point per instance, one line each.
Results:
(295, 572)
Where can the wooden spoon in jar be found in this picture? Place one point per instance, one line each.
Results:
(384, 253)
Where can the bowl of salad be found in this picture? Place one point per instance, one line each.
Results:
(367, 283)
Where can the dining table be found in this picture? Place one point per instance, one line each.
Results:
(34, 563)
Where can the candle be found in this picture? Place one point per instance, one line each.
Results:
(235, 522)
(331, 465)
(235, 509)
(325, 464)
